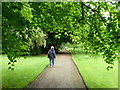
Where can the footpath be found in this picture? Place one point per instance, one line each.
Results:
(63, 75)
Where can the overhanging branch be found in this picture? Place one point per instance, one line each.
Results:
(95, 12)
(82, 11)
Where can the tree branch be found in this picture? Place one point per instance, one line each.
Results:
(82, 11)
(95, 12)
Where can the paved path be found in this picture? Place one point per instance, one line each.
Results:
(63, 75)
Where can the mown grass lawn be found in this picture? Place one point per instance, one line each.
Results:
(26, 70)
(94, 71)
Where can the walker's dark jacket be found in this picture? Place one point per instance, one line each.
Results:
(51, 54)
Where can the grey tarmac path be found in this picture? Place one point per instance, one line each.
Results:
(63, 75)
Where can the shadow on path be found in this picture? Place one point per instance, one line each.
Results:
(63, 52)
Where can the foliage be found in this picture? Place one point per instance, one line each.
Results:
(17, 31)
(102, 35)
(92, 24)
(36, 42)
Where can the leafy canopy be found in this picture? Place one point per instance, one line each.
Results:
(92, 24)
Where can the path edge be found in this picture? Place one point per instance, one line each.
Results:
(78, 69)
(35, 77)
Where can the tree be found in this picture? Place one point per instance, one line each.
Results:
(93, 24)
(18, 31)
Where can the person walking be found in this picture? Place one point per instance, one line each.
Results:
(51, 56)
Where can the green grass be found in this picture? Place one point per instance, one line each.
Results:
(0, 72)
(26, 70)
(94, 71)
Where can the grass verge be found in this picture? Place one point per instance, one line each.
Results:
(94, 70)
(26, 70)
